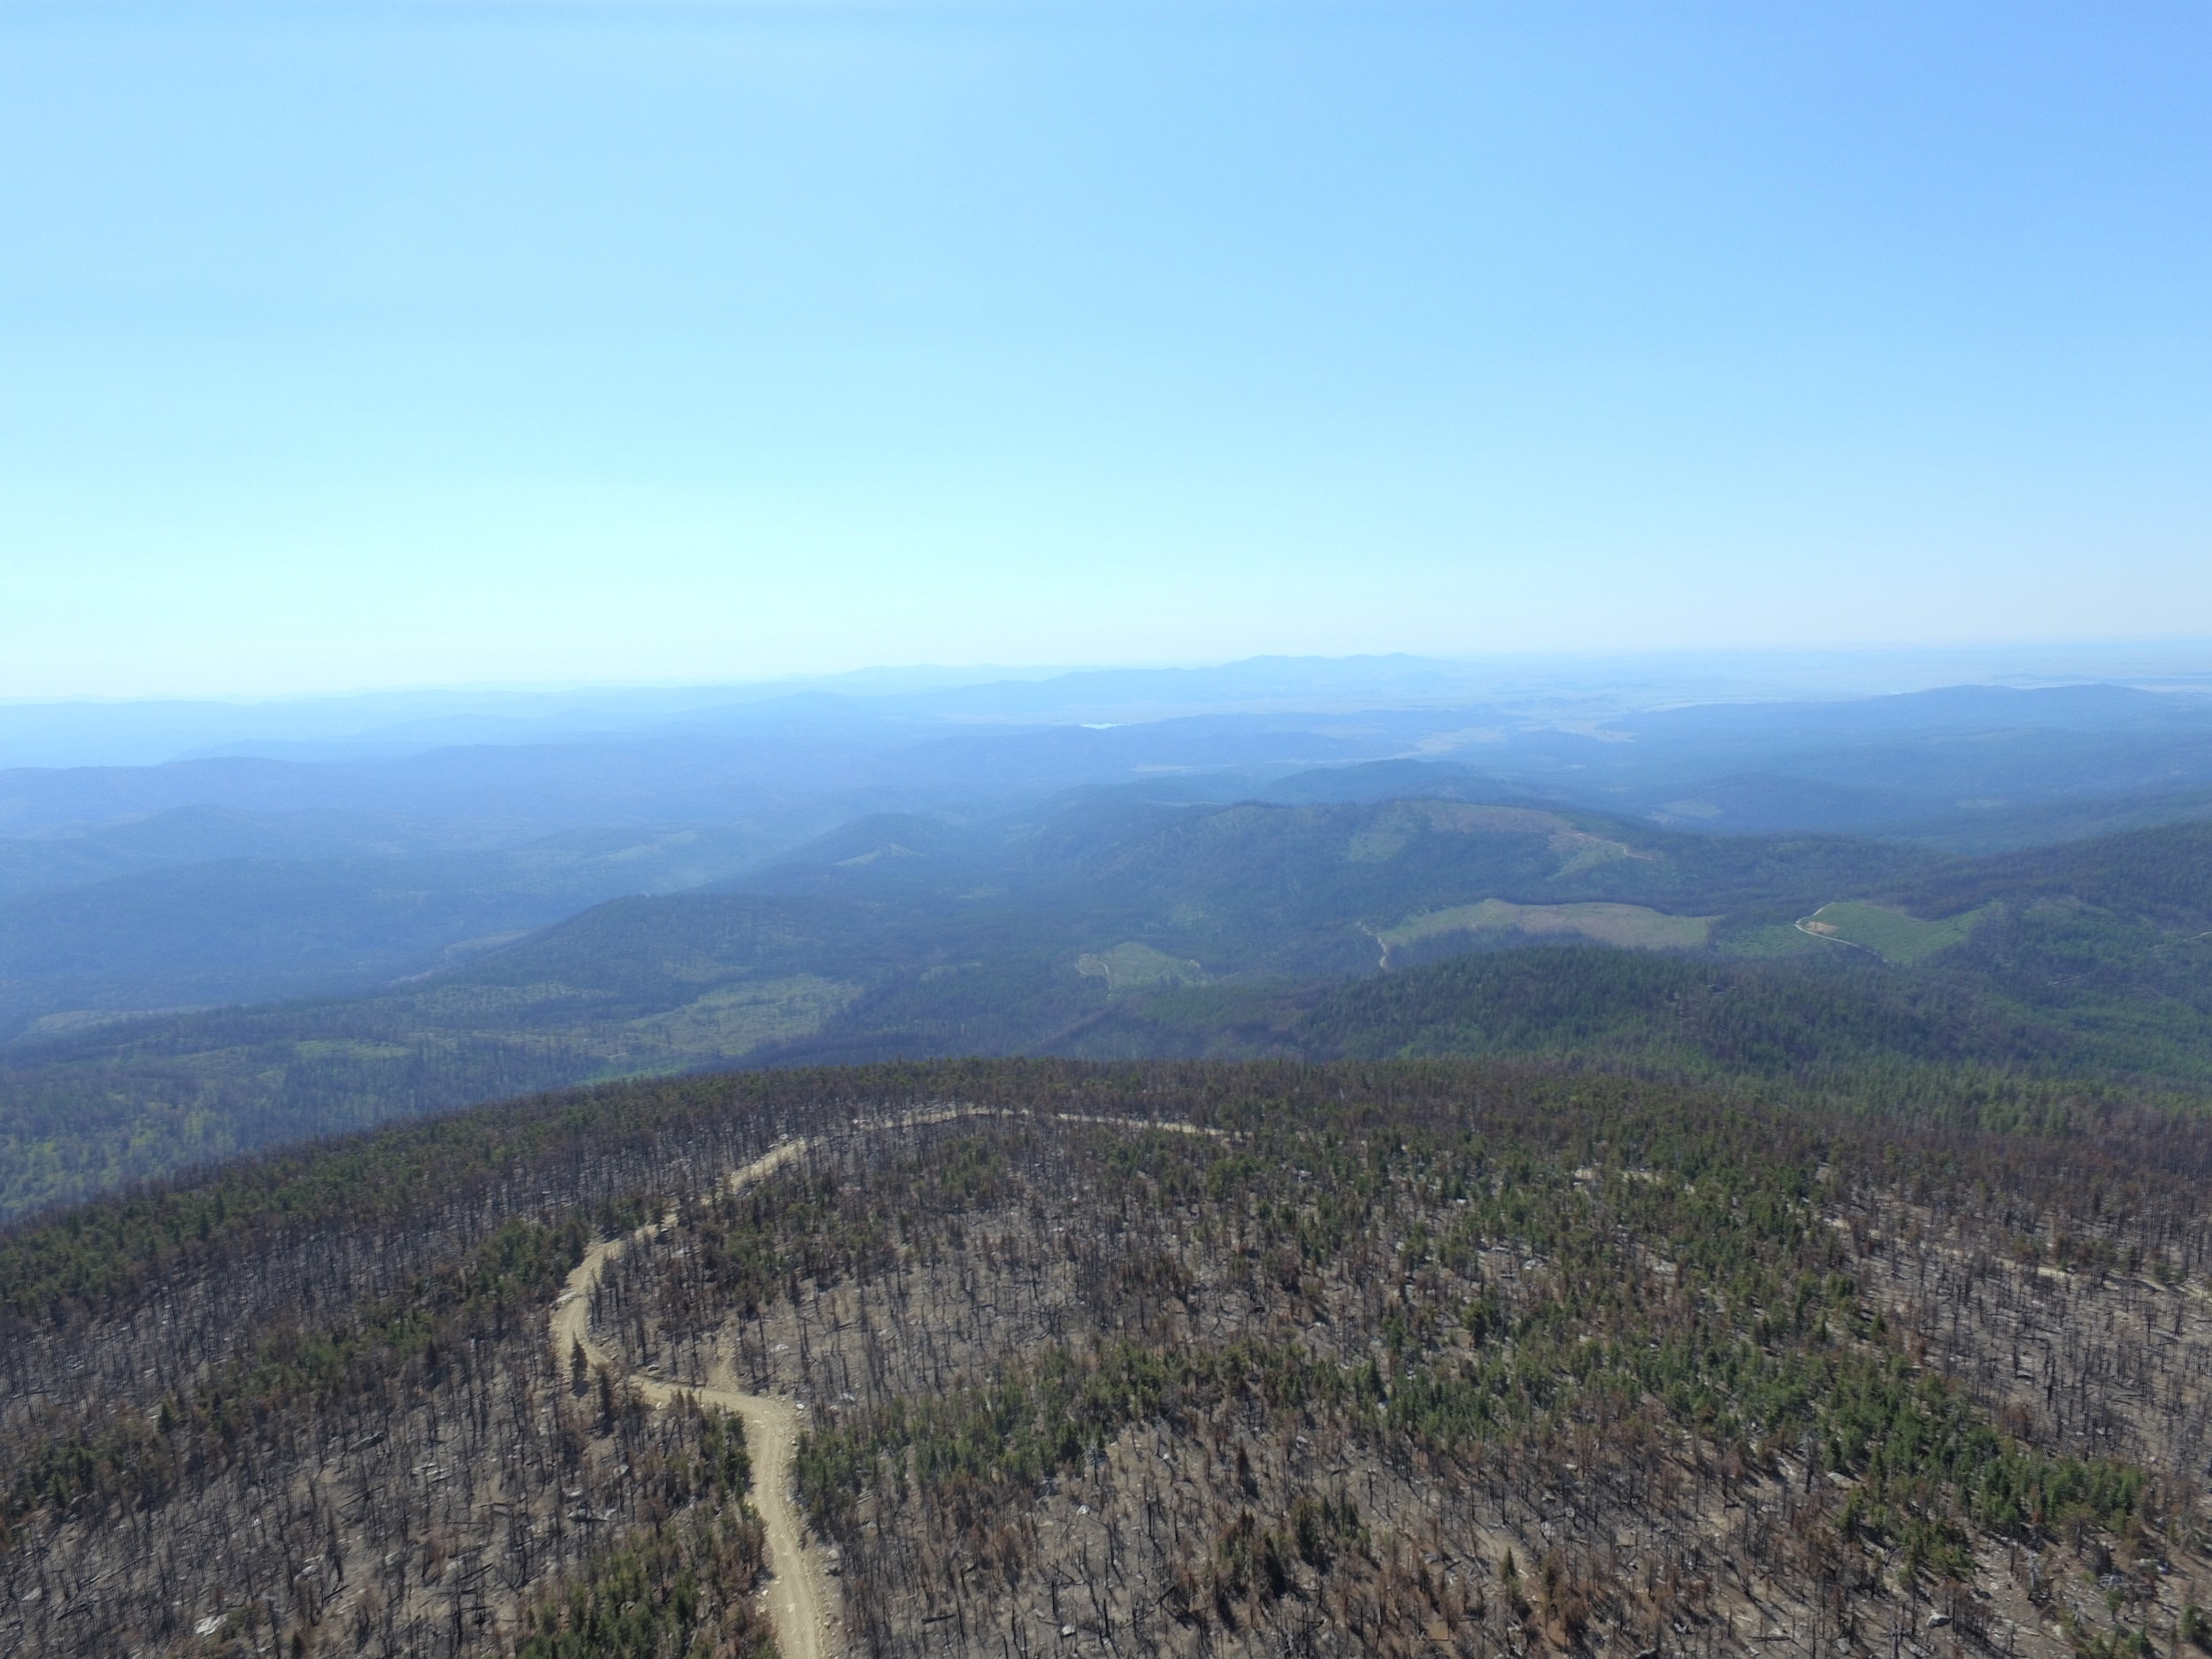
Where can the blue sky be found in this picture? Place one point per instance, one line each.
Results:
(349, 346)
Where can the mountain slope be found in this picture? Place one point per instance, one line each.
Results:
(254, 929)
(1499, 1361)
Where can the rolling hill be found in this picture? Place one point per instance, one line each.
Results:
(1116, 925)
(244, 876)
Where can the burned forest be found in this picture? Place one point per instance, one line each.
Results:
(1135, 1359)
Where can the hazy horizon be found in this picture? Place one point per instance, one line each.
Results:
(2147, 659)
(1528, 691)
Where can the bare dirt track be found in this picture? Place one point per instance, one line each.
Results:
(801, 1599)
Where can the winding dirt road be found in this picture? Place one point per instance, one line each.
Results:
(801, 1600)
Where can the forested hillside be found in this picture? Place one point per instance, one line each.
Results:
(250, 928)
(1138, 1359)
(1117, 926)
(269, 873)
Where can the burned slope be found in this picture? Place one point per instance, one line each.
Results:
(1345, 1359)
(1500, 1366)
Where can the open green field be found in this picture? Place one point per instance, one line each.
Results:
(1131, 966)
(1890, 934)
(1630, 927)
